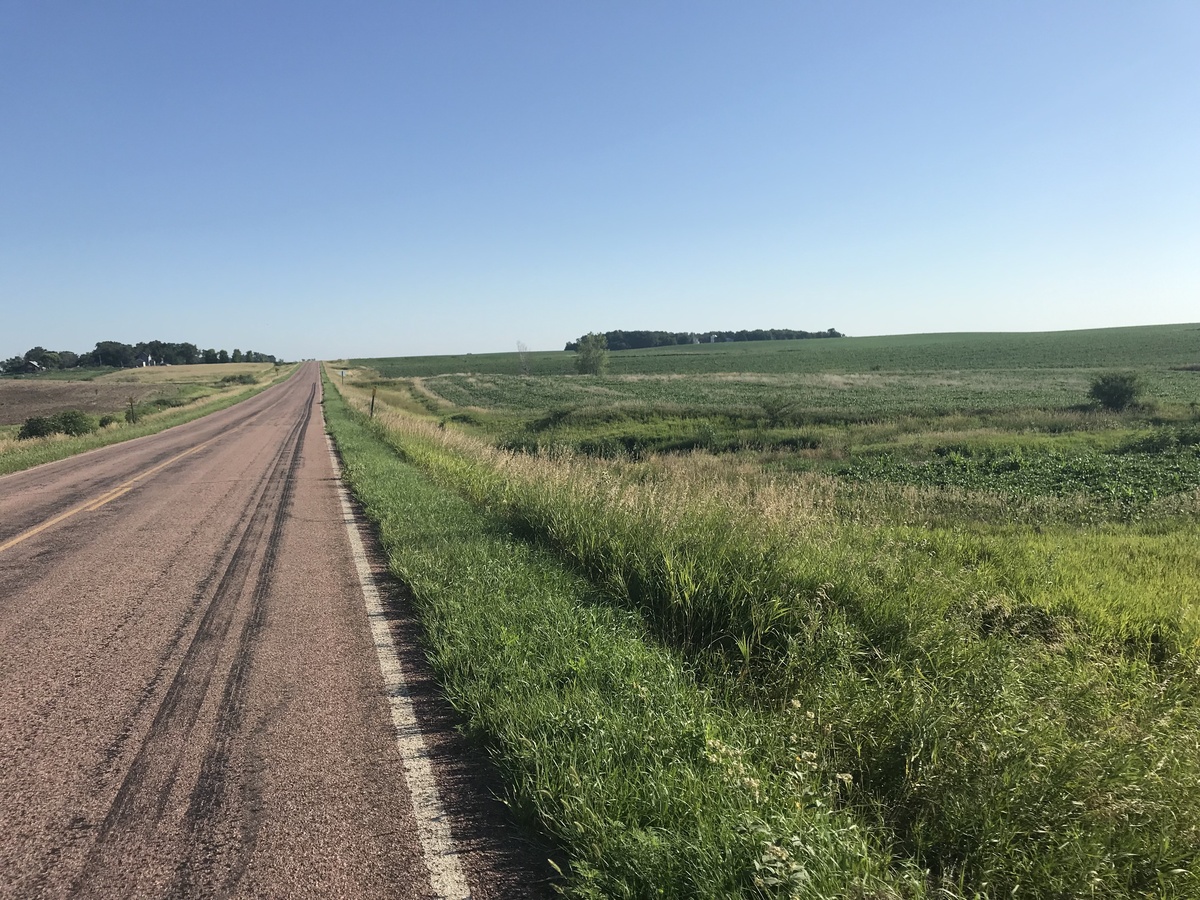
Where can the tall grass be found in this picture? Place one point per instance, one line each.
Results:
(1001, 738)
(603, 739)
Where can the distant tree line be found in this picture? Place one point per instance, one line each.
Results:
(125, 356)
(636, 340)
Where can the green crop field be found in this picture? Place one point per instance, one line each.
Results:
(1163, 345)
(928, 611)
(923, 409)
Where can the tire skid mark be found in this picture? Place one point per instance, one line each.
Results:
(105, 642)
(141, 802)
(195, 875)
(97, 775)
(150, 688)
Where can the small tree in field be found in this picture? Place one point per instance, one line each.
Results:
(592, 354)
(1114, 390)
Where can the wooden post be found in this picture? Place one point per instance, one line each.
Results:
(373, 390)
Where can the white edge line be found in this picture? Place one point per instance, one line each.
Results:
(441, 856)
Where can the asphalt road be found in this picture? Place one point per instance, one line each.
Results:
(191, 703)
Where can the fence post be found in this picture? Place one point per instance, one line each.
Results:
(373, 390)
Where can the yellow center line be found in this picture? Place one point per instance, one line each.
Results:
(96, 502)
(107, 498)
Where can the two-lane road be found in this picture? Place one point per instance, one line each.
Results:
(190, 699)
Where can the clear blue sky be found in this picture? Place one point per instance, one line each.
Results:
(393, 178)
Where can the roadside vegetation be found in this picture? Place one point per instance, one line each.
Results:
(604, 740)
(70, 421)
(44, 438)
(953, 615)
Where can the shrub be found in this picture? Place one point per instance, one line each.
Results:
(777, 410)
(240, 378)
(1114, 390)
(71, 421)
(35, 427)
(107, 419)
(74, 422)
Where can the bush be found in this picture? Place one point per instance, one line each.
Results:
(108, 419)
(240, 378)
(36, 427)
(71, 421)
(74, 423)
(1114, 390)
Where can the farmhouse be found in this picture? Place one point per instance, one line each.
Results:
(25, 367)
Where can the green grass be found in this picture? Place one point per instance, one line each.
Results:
(926, 569)
(603, 740)
(797, 396)
(998, 708)
(983, 430)
(1126, 483)
(542, 362)
(1133, 584)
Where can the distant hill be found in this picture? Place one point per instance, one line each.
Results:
(642, 340)
(1137, 348)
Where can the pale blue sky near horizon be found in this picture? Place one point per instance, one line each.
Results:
(396, 178)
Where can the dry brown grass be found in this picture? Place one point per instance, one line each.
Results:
(199, 374)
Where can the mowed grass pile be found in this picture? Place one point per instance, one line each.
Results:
(924, 683)
(603, 739)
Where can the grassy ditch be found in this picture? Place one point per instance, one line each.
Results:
(980, 704)
(603, 739)
(152, 418)
(878, 424)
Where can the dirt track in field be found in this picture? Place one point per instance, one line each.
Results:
(190, 699)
